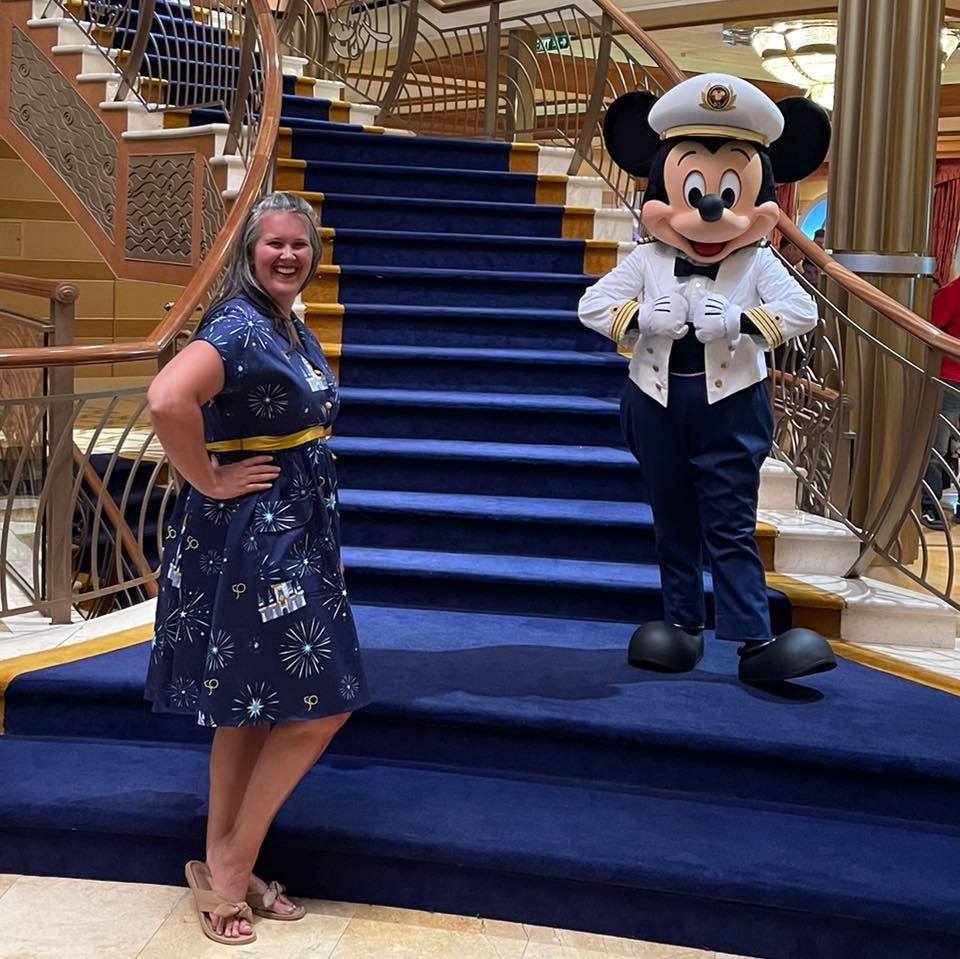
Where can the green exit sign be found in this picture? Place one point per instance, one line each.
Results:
(556, 41)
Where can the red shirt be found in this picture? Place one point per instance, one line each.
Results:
(945, 313)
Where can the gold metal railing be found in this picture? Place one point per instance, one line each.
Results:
(34, 493)
(545, 76)
(171, 55)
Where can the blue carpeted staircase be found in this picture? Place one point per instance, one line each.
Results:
(499, 552)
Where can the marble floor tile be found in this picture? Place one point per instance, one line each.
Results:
(634, 949)
(369, 939)
(312, 937)
(418, 917)
(81, 919)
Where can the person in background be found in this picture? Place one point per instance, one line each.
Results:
(944, 313)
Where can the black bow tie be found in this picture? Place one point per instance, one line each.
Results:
(682, 267)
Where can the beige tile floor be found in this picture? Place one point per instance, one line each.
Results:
(111, 920)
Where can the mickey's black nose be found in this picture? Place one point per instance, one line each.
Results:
(711, 208)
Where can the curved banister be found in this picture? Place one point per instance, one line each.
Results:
(56, 290)
(260, 161)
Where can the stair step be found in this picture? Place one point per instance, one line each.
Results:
(435, 287)
(406, 181)
(521, 585)
(424, 152)
(519, 848)
(460, 326)
(502, 371)
(506, 525)
(457, 251)
(358, 210)
(440, 414)
(453, 466)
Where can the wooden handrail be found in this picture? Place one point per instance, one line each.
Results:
(261, 158)
(56, 290)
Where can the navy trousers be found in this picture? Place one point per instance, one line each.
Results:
(702, 465)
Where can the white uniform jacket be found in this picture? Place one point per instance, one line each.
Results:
(753, 279)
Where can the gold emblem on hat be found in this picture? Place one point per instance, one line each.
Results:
(718, 97)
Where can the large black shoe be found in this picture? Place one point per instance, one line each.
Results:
(665, 648)
(795, 653)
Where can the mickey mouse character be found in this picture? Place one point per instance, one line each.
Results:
(699, 302)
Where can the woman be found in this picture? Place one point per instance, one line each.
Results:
(254, 634)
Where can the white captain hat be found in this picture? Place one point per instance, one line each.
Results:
(716, 105)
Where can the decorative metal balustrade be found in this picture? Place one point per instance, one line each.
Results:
(545, 77)
(173, 55)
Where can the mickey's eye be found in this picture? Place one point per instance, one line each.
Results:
(694, 186)
(729, 188)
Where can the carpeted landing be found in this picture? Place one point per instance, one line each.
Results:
(516, 767)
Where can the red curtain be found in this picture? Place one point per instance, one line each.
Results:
(946, 217)
(787, 201)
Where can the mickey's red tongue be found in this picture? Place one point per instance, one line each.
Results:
(707, 249)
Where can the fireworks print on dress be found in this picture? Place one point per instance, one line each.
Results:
(257, 703)
(268, 571)
(301, 487)
(334, 596)
(306, 556)
(274, 517)
(190, 621)
(211, 563)
(249, 328)
(305, 649)
(158, 642)
(220, 650)
(268, 401)
(183, 692)
(218, 511)
(258, 629)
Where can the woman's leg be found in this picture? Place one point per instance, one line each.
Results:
(232, 759)
(287, 754)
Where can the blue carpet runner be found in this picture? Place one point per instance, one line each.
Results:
(517, 767)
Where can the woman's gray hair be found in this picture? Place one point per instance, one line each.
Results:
(239, 279)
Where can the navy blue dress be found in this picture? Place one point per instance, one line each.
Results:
(253, 622)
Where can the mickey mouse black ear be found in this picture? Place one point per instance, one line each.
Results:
(627, 135)
(805, 140)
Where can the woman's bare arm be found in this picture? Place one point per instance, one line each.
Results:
(175, 397)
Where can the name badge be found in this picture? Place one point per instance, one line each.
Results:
(286, 597)
(315, 378)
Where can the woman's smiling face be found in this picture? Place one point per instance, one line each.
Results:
(282, 256)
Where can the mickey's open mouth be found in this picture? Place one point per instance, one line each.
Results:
(707, 249)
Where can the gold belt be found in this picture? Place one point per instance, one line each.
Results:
(267, 443)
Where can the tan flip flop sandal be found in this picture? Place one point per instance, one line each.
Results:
(208, 900)
(261, 903)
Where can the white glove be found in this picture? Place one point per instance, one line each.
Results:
(665, 316)
(714, 317)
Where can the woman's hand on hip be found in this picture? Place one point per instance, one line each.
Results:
(252, 475)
